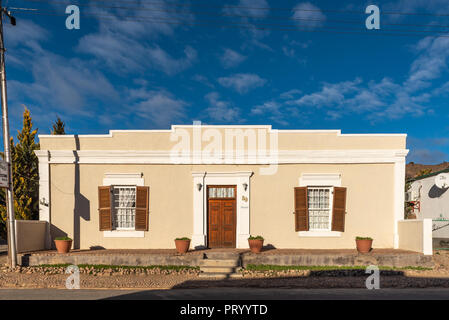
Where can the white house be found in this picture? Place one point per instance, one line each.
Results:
(430, 200)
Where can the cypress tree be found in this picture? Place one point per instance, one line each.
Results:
(58, 127)
(25, 174)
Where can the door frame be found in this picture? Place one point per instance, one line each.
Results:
(200, 206)
(235, 209)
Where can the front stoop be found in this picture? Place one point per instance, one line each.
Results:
(220, 265)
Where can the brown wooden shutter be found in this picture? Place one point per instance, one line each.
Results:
(104, 208)
(339, 209)
(142, 196)
(301, 210)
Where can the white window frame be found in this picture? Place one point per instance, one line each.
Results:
(321, 180)
(123, 179)
(114, 208)
(331, 206)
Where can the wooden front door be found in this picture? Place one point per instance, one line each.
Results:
(221, 216)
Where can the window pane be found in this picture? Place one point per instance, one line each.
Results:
(319, 208)
(222, 192)
(124, 207)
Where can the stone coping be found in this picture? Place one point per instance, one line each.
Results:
(266, 252)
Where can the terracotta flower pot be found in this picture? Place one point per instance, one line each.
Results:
(255, 245)
(182, 246)
(63, 246)
(364, 246)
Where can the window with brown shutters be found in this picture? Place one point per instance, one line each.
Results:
(104, 208)
(339, 209)
(123, 207)
(142, 208)
(320, 208)
(301, 210)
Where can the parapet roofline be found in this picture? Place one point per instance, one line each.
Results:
(268, 127)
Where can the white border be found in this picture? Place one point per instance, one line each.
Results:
(320, 180)
(267, 127)
(199, 237)
(123, 179)
(166, 157)
(399, 198)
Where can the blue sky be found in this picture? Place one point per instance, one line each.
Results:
(212, 61)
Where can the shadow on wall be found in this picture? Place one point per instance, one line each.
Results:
(82, 204)
(56, 233)
(436, 192)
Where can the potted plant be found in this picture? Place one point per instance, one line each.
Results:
(182, 244)
(255, 243)
(364, 244)
(63, 244)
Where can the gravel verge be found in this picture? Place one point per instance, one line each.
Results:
(163, 278)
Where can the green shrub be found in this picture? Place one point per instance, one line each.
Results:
(183, 238)
(363, 238)
(63, 238)
(255, 238)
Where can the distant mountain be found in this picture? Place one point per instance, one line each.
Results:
(412, 169)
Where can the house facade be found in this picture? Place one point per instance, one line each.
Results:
(429, 201)
(311, 189)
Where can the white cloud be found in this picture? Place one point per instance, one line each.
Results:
(329, 95)
(220, 110)
(290, 94)
(426, 150)
(386, 99)
(114, 51)
(159, 108)
(242, 82)
(308, 15)
(63, 84)
(249, 8)
(163, 61)
(231, 58)
(128, 46)
(26, 33)
(289, 52)
(434, 6)
(249, 15)
(272, 110)
(427, 156)
(202, 79)
(430, 64)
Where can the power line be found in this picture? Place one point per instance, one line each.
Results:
(176, 4)
(215, 14)
(241, 25)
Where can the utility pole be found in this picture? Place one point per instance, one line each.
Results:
(12, 256)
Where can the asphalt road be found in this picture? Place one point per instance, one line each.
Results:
(227, 294)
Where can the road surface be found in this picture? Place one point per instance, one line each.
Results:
(226, 294)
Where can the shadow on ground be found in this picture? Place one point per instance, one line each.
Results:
(241, 288)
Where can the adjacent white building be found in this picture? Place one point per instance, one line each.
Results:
(430, 200)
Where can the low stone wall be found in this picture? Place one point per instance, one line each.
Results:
(391, 259)
(387, 260)
(416, 235)
(111, 259)
(30, 235)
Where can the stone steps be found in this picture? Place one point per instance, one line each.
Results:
(219, 275)
(222, 255)
(220, 265)
(218, 269)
